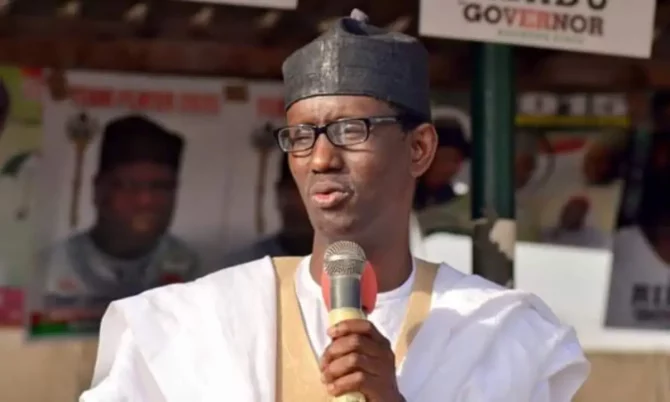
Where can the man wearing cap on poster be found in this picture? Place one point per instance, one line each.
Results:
(358, 137)
(436, 186)
(128, 249)
(572, 228)
(438, 205)
(456, 217)
(296, 233)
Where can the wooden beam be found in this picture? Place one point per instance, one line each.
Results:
(164, 57)
(449, 69)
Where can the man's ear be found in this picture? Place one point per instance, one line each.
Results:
(423, 143)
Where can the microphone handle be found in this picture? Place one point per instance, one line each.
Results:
(336, 316)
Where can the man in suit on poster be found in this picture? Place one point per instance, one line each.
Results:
(573, 228)
(128, 249)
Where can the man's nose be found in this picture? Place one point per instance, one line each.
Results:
(326, 156)
(145, 196)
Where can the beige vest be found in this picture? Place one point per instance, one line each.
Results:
(298, 374)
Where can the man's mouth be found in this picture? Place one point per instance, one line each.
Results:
(330, 200)
(329, 195)
(145, 223)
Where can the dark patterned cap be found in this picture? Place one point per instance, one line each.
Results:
(137, 139)
(356, 58)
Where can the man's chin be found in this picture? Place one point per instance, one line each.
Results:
(145, 235)
(337, 226)
(146, 227)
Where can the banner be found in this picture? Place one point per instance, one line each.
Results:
(595, 26)
(20, 138)
(568, 169)
(133, 186)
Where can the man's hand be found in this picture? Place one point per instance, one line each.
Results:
(360, 359)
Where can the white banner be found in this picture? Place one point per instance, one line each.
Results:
(594, 26)
(283, 4)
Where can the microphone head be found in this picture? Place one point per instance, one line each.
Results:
(344, 258)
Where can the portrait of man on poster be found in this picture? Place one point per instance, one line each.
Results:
(128, 249)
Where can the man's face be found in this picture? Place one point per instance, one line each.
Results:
(446, 165)
(358, 192)
(574, 214)
(597, 164)
(137, 200)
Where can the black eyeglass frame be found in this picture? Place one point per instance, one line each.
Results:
(369, 122)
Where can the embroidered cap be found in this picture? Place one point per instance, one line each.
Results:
(356, 58)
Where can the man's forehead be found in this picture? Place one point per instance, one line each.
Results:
(323, 109)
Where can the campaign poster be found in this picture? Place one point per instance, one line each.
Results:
(639, 288)
(266, 214)
(570, 153)
(621, 28)
(20, 140)
(132, 193)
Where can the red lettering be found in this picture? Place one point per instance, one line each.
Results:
(164, 101)
(199, 103)
(144, 100)
(125, 98)
(158, 101)
(527, 18)
(92, 97)
(543, 20)
(510, 15)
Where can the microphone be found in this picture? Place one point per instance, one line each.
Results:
(349, 289)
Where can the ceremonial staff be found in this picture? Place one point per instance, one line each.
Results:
(264, 143)
(81, 130)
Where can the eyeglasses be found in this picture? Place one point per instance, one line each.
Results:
(341, 133)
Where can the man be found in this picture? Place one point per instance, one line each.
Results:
(435, 187)
(456, 217)
(358, 137)
(572, 228)
(296, 233)
(604, 158)
(128, 249)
